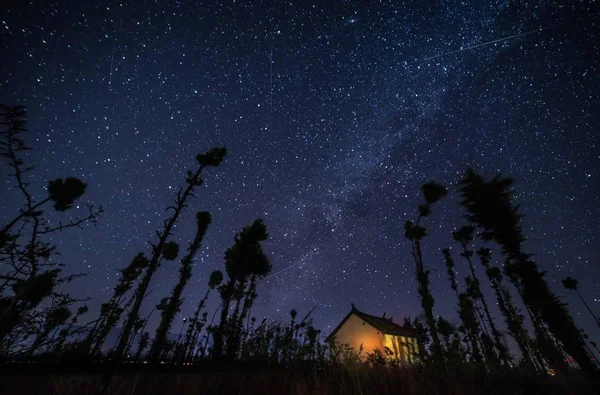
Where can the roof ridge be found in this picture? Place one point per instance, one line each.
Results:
(374, 316)
(385, 325)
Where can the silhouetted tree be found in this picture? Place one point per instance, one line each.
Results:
(454, 352)
(164, 249)
(512, 316)
(464, 236)
(490, 206)
(416, 233)
(31, 307)
(487, 344)
(466, 310)
(143, 343)
(445, 329)
(55, 318)
(70, 330)
(450, 270)
(248, 263)
(173, 305)
(245, 261)
(111, 311)
(466, 313)
(573, 285)
(196, 323)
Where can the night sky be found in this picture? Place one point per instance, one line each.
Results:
(333, 113)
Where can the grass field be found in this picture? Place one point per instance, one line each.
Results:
(237, 379)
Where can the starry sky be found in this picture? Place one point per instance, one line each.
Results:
(333, 113)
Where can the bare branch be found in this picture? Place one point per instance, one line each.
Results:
(77, 222)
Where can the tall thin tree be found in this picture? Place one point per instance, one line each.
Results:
(464, 236)
(173, 306)
(489, 204)
(512, 316)
(466, 310)
(243, 260)
(415, 233)
(162, 249)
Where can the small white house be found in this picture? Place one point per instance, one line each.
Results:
(366, 333)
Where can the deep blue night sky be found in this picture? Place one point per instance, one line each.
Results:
(334, 113)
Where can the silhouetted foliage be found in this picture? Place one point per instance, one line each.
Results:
(170, 250)
(34, 315)
(490, 206)
(433, 192)
(570, 283)
(188, 349)
(450, 270)
(494, 218)
(245, 262)
(466, 312)
(454, 351)
(465, 236)
(111, 311)
(414, 232)
(163, 248)
(213, 157)
(513, 318)
(64, 193)
(173, 305)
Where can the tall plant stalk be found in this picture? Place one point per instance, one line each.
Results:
(512, 317)
(243, 261)
(214, 157)
(173, 306)
(464, 236)
(415, 233)
(466, 310)
(196, 324)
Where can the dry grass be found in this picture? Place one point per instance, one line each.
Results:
(358, 380)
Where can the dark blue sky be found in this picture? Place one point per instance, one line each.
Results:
(334, 113)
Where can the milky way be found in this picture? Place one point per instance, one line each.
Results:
(333, 113)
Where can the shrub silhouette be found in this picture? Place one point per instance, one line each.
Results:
(33, 313)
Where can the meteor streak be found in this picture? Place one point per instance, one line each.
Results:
(488, 43)
(283, 270)
(299, 262)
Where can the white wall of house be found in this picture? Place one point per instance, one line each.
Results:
(355, 332)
